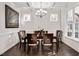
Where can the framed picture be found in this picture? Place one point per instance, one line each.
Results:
(27, 17)
(54, 17)
(11, 17)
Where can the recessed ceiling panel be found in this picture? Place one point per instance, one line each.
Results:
(41, 4)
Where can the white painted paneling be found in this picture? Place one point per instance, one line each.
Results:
(7, 41)
(8, 36)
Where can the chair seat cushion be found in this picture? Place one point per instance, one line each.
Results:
(47, 44)
(47, 41)
(22, 41)
(54, 40)
(32, 44)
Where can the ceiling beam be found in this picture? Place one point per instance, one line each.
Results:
(28, 4)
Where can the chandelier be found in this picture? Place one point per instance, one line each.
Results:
(39, 7)
(41, 12)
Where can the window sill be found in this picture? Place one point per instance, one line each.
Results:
(74, 39)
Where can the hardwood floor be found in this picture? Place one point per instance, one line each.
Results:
(63, 51)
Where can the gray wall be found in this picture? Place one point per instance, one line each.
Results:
(43, 22)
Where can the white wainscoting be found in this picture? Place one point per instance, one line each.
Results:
(8, 40)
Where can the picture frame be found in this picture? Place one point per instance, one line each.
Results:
(54, 17)
(27, 17)
(11, 17)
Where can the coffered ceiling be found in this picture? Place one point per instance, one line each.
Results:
(41, 4)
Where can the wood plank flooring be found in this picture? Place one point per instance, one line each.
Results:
(63, 51)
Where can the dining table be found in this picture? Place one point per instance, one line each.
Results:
(40, 39)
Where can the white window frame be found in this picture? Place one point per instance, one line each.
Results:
(76, 10)
(73, 36)
(69, 21)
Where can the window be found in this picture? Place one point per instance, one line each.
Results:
(70, 29)
(73, 24)
(76, 19)
(54, 17)
(70, 23)
(27, 17)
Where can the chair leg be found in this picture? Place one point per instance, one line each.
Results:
(37, 47)
(19, 45)
(42, 47)
(24, 44)
(28, 48)
(52, 47)
(57, 47)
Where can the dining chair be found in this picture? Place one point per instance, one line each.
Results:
(47, 40)
(32, 41)
(55, 43)
(59, 35)
(56, 39)
(22, 38)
